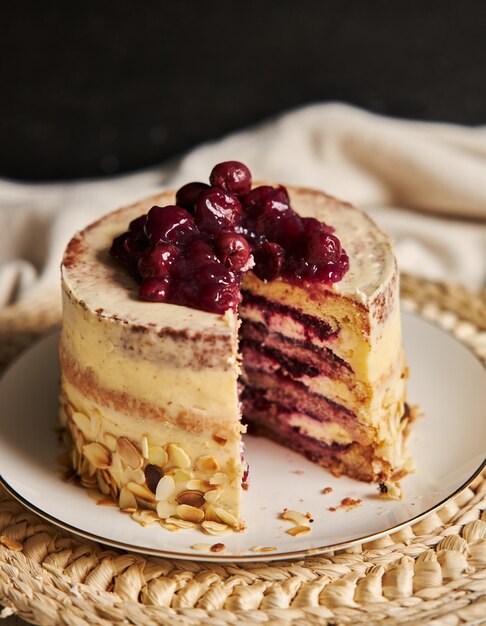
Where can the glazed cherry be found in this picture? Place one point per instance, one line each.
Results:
(233, 250)
(127, 248)
(138, 223)
(333, 271)
(170, 224)
(157, 261)
(231, 176)
(322, 248)
(187, 195)
(155, 289)
(269, 258)
(217, 210)
(200, 253)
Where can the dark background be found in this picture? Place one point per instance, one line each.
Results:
(96, 87)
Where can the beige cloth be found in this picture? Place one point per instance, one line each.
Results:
(424, 183)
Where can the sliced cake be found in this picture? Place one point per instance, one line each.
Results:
(177, 315)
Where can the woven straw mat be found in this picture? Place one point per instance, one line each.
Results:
(433, 572)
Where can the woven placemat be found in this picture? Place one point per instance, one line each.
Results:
(433, 572)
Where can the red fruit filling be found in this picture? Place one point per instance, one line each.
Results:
(196, 252)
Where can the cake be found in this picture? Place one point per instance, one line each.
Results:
(175, 326)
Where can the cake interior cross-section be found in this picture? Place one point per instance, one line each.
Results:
(190, 316)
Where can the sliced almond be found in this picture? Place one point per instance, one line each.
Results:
(225, 516)
(215, 528)
(136, 476)
(295, 531)
(180, 475)
(82, 421)
(102, 484)
(180, 522)
(94, 426)
(145, 518)
(263, 549)
(172, 527)
(207, 464)
(116, 471)
(294, 516)
(166, 509)
(192, 498)
(177, 456)
(107, 502)
(79, 440)
(126, 499)
(165, 488)
(98, 455)
(198, 485)
(89, 482)
(213, 495)
(218, 547)
(141, 492)
(190, 513)
(145, 446)
(201, 547)
(157, 456)
(220, 478)
(129, 453)
(110, 442)
(220, 440)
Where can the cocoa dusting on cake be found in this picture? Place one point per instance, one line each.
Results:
(197, 251)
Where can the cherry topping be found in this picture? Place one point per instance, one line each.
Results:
(269, 258)
(127, 248)
(322, 248)
(169, 224)
(196, 252)
(233, 250)
(155, 289)
(188, 195)
(138, 223)
(217, 210)
(231, 176)
(157, 261)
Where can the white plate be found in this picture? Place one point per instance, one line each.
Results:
(448, 445)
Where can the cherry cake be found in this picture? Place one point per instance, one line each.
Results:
(190, 316)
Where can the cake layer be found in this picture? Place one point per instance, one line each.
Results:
(353, 459)
(358, 334)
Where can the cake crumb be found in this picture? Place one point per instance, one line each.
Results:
(346, 505)
(299, 472)
(390, 490)
(327, 490)
(350, 503)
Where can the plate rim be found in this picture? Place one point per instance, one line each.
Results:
(267, 556)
